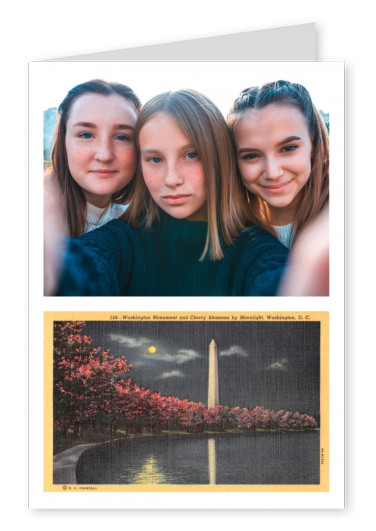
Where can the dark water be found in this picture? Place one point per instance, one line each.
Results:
(245, 459)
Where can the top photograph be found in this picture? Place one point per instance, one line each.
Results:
(187, 179)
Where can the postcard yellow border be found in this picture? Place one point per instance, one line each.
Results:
(50, 317)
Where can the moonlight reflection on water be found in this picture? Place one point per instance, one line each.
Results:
(231, 459)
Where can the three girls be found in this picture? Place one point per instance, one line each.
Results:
(185, 230)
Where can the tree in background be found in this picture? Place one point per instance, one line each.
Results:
(86, 380)
(92, 392)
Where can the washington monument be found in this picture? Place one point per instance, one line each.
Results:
(213, 395)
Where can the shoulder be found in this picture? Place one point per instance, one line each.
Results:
(99, 262)
(109, 243)
(261, 261)
(254, 237)
(112, 229)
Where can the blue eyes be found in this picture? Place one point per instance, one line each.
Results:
(89, 136)
(85, 136)
(191, 156)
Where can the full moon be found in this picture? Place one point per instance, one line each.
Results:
(152, 349)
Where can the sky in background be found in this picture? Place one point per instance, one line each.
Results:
(271, 364)
(221, 82)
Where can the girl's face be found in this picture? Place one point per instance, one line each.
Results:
(172, 169)
(273, 149)
(100, 145)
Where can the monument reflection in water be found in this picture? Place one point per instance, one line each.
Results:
(246, 458)
(212, 458)
(228, 459)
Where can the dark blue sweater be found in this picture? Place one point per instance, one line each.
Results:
(164, 260)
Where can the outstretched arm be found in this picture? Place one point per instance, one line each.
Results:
(263, 259)
(55, 236)
(98, 263)
(308, 273)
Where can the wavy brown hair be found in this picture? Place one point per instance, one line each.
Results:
(73, 196)
(315, 193)
(202, 122)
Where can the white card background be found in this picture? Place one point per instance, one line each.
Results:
(221, 81)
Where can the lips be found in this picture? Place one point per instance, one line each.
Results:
(276, 188)
(104, 173)
(177, 199)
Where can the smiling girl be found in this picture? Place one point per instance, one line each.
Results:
(184, 230)
(94, 156)
(282, 152)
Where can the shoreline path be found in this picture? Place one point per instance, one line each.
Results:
(65, 464)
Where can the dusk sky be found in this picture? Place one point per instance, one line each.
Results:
(270, 364)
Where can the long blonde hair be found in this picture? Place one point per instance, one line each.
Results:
(202, 122)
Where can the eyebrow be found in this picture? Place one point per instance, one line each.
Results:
(93, 126)
(148, 151)
(289, 139)
(285, 141)
(182, 149)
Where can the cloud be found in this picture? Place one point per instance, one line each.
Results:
(137, 364)
(172, 374)
(186, 355)
(131, 342)
(234, 351)
(278, 365)
(182, 356)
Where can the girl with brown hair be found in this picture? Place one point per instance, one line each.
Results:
(94, 156)
(282, 150)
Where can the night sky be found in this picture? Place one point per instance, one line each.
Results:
(271, 364)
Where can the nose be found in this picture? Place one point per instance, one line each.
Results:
(104, 152)
(173, 176)
(273, 168)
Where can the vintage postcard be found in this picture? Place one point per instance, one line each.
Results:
(186, 401)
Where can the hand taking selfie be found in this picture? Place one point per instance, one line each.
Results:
(308, 274)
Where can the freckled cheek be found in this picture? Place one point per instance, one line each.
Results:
(153, 178)
(198, 183)
(194, 174)
(78, 156)
(128, 160)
